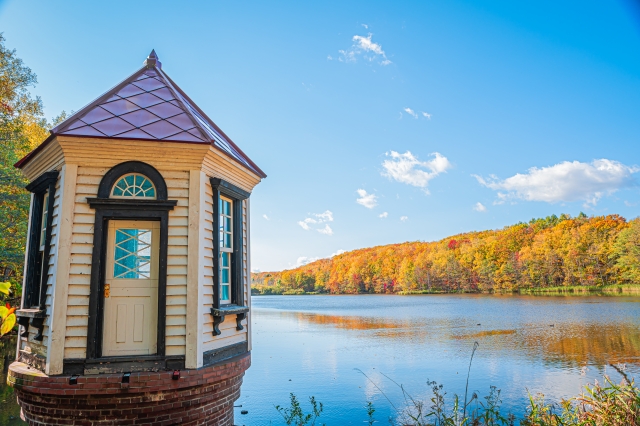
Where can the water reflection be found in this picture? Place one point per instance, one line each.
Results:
(311, 345)
(566, 344)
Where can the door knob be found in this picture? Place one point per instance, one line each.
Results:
(107, 290)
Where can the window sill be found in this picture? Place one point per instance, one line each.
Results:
(31, 313)
(219, 314)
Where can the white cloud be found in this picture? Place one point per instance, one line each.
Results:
(326, 230)
(415, 114)
(367, 200)
(367, 48)
(404, 218)
(303, 260)
(266, 217)
(406, 168)
(383, 215)
(327, 216)
(411, 112)
(479, 207)
(305, 223)
(329, 57)
(366, 44)
(315, 220)
(564, 182)
(365, 26)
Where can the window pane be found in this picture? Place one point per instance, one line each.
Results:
(225, 260)
(132, 255)
(227, 224)
(134, 185)
(43, 223)
(145, 185)
(225, 296)
(227, 208)
(227, 240)
(224, 279)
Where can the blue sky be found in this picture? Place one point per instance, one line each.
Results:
(438, 116)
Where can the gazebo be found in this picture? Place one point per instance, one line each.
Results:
(136, 299)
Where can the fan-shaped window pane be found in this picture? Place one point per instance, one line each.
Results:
(133, 185)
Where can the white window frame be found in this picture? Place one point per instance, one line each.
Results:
(225, 251)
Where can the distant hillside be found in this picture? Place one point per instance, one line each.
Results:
(551, 252)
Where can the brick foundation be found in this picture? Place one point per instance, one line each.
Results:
(200, 397)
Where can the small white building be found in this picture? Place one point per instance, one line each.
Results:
(137, 258)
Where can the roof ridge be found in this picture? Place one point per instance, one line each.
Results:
(228, 139)
(170, 85)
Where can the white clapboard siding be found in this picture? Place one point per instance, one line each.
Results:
(50, 158)
(94, 157)
(36, 346)
(220, 166)
(178, 189)
(164, 156)
(229, 335)
(88, 180)
(207, 280)
(80, 262)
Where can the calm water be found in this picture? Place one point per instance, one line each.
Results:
(312, 345)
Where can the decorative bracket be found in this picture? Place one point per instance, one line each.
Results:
(33, 317)
(219, 314)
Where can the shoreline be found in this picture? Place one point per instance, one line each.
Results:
(608, 291)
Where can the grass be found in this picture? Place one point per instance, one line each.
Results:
(611, 290)
(606, 404)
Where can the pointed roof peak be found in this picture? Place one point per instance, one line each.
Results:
(152, 60)
(148, 105)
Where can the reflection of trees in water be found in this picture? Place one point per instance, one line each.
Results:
(9, 408)
(564, 344)
(578, 344)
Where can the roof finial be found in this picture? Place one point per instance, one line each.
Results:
(152, 60)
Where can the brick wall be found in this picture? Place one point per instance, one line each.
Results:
(200, 397)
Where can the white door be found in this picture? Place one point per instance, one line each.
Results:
(131, 288)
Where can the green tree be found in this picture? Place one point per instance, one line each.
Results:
(627, 251)
(22, 127)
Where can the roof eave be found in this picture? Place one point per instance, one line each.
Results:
(24, 160)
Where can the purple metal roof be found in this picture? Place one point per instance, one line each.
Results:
(148, 105)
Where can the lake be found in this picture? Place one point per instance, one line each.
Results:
(314, 345)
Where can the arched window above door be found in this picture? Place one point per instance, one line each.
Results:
(134, 185)
(133, 180)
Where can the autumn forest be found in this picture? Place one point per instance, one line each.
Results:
(554, 252)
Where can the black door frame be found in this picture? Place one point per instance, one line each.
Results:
(126, 209)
